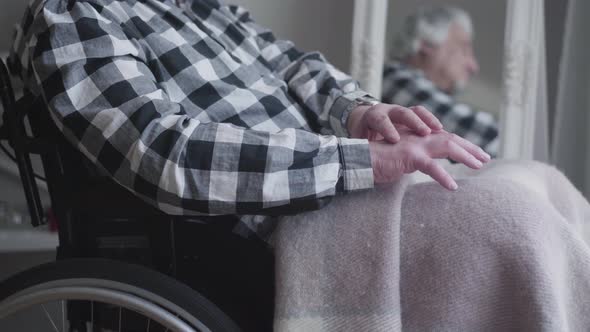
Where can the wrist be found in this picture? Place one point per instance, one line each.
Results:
(358, 106)
(354, 119)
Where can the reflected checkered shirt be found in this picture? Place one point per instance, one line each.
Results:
(195, 108)
(406, 86)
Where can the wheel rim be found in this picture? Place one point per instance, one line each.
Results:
(150, 305)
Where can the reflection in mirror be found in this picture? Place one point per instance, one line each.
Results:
(448, 58)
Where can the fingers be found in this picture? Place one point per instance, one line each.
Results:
(381, 119)
(460, 155)
(379, 123)
(475, 150)
(438, 173)
(408, 118)
(427, 117)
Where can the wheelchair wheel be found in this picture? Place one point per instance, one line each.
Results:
(104, 295)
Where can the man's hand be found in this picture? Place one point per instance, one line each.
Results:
(379, 121)
(417, 153)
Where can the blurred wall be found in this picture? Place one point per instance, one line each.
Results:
(10, 13)
(484, 91)
(324, 25)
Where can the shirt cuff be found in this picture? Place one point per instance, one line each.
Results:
(355, 161)
(342, 108)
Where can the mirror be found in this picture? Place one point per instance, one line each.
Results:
(484, 91)
(455, 69)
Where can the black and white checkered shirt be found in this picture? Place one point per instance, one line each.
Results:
(196, 109)
(407, 86)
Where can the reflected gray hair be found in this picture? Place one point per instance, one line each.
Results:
(429, 24)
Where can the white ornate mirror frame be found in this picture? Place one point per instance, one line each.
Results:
(368, 43)
(523, 120)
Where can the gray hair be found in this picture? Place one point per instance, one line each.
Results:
(429, 24)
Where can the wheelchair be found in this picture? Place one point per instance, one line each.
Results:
(121, 264)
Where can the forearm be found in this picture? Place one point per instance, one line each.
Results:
(150, 146)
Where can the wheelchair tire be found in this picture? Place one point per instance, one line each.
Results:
(130, 283)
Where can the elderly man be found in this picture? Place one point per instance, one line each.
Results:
(199, 111)
(431, 60)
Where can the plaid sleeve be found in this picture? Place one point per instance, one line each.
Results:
(105, 99)
(326, 92)
(478, 127)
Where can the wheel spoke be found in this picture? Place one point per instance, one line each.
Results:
(63, 315)
(91, 316)
(50, 319)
